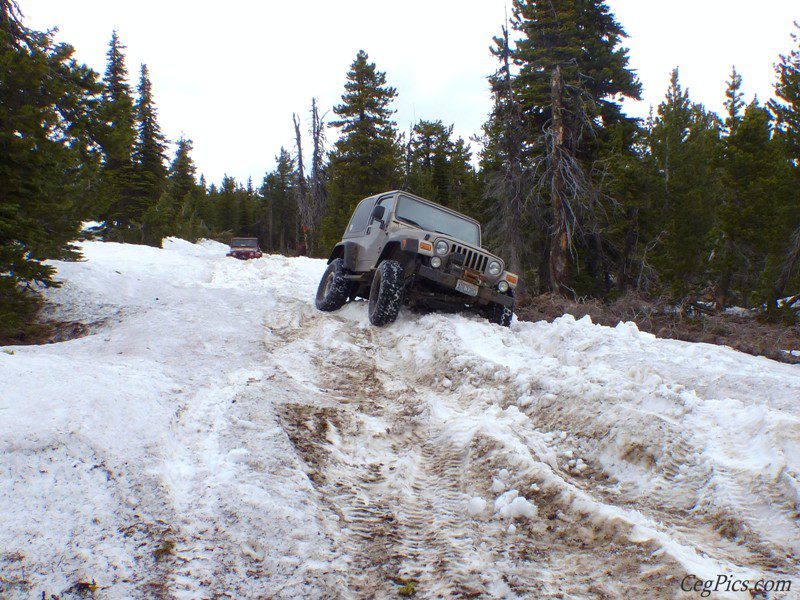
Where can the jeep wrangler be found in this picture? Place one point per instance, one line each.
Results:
(244, 248)
(402, 249)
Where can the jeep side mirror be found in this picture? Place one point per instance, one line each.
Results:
(378, 212)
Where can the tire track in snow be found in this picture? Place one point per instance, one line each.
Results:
(398, 482)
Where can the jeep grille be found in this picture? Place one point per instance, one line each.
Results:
(472, 259)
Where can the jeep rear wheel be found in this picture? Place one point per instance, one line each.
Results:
(386, 293)
(334, 288)
(499, 314)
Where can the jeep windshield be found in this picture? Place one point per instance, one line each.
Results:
(430, 218)
(244, 243)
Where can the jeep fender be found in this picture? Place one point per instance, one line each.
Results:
(347, 251)
(401, 251)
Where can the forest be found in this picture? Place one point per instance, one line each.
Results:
(687, 207)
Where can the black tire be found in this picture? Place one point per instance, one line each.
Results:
(386, 293)
(334, 288)
(499, 314)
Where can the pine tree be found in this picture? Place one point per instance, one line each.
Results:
(280, 204)
(507, 181)
(117, 142)
(366, 158)
(573, 73)
(149, 150)
(752, 228)
(786, 110)
(685, 147)
(463, 189)
(229, 207)
(182, 171)
(48, 106)
(430, 149)
(786, 107)
(734, 103)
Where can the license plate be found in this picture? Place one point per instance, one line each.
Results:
(465, 287)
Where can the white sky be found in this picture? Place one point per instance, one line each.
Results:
(229, 75)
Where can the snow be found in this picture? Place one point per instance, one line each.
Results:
(476, 506)
(510, 505)
(217, 435)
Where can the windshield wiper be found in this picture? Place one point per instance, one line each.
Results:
(409, 221)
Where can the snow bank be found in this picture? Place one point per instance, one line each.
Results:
(215, 434)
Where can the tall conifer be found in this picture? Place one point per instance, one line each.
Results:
(117, 141)
(366, 158)
(48, 105)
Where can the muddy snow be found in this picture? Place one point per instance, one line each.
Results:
(216, 436)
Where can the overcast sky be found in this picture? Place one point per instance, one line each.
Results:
(228, 75)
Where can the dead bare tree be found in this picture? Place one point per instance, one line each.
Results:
(303, 205)
(563, 217)
(509, 186)
(318, 175)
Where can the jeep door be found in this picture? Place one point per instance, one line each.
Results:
(375, 236)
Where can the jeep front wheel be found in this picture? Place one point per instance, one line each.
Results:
(499, 314)
(386, 293)
(334, 288)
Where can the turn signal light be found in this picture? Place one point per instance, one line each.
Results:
(511, 278)
(426, 246)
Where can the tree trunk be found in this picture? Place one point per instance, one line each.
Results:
(318, 196)
(559, 241)
(789, 266)
(727, 274)
(303, 216)
(270, 244)
(627, 250)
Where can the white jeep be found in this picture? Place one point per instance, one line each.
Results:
(402, 249)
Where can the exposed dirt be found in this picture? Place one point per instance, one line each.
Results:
(745, 333)
(398, 487)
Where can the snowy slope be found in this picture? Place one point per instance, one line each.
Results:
(216, 435)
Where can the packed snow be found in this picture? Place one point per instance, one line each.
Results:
(216, 436)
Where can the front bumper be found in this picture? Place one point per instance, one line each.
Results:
(244, 254)
(448, 280)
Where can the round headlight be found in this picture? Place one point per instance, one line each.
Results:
(442, 247)
(503, 286)
(495, 268)
(436, 262)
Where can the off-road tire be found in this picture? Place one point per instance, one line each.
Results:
(334, 288)
(386, 293)
(499, 314)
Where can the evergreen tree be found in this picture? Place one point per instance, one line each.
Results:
(182, 171)
(506, 178)
(733, 101)
(463, 193)
(573, 74)
(752, 225)
(786, 107)
(685, 147)
(229, 207)
(48, 105)
(439, 167)
(149, 150)
(280, 205)
(366, 158)
(786, 110)
(583, 39)
(117, 142)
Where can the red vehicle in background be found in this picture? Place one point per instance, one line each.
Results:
(244, 248)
